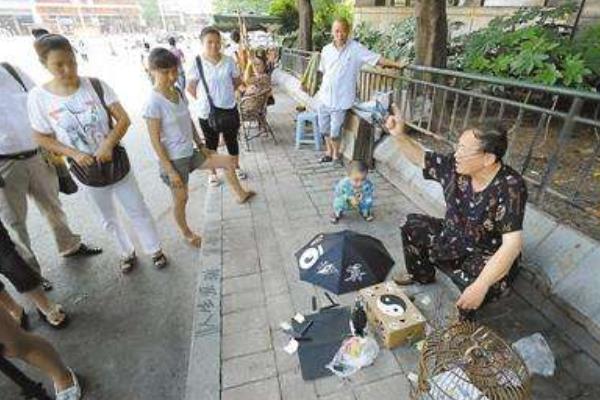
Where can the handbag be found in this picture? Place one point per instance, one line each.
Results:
(106, 173)
(219, 119)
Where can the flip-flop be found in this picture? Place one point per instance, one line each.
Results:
(128, 263)
(160, 260)
(85, 251)
(325, 159)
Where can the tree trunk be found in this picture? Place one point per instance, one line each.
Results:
(432, 32)
(305, 13)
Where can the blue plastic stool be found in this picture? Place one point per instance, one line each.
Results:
(303, 137)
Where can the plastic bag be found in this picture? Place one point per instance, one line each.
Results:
(536, 353)
(354, 354)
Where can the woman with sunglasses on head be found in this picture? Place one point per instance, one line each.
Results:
(213, 78)
(73, 116)
(479, 241)
(176, 141)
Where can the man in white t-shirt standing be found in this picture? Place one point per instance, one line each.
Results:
(340, 64)
(24, 172)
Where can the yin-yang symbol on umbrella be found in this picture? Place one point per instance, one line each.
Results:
(310, 256)
(391, 305)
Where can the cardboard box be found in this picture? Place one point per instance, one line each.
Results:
(393, 317)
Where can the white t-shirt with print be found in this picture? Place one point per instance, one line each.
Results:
(78, 120)
(176, 131)
(15, 131)
(219, 79)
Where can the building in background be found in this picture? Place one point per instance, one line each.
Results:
(89, 16)
(16, 17)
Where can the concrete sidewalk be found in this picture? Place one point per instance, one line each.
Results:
(260, 287)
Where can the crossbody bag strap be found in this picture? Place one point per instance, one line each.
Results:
(13, 72)
(203, 79)
(97, 85)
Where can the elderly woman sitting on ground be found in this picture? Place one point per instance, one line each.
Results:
(478, 243)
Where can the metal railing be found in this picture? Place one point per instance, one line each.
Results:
(295, 61)
(554, 135)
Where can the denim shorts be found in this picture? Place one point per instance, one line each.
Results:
(184, 166)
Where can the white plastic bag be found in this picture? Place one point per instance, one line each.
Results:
(536, 353)
(354, 354)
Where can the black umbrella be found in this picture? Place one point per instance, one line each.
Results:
(344, 261)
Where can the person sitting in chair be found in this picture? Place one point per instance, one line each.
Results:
(478, 243)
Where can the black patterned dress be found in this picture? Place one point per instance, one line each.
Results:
(471, 232)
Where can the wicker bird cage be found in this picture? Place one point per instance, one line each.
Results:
(470, 362)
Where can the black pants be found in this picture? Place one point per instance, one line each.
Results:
(212, 138)
(14, 268)
(425, 251)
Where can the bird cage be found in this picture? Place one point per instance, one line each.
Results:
(467, 361)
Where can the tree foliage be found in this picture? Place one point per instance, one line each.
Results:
(244, 6)
(150, 12)
(287, 12)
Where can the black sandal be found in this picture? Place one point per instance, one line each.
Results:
(160, 260)
(46, 285)
(325, 159)
(85, 251)
(51, 316)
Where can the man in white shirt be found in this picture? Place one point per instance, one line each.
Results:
(24, 172)
(340, 64)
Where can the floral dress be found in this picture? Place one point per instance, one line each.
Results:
(345, 192)
(471, 232)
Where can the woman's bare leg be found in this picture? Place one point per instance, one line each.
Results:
(34, 350)
(228, 163)
(10, 305)
(180, 199)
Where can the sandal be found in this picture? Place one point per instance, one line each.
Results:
(52, 317)
(325, 159)
(46, 285)
(85, 251)
(334, 218)
(160, 260)
(72, 393)
(128, 263)
(249, 194)
(241, 174)
(368, 217)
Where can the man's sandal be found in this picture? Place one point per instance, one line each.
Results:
(53, 317)
(128, 263)
(160, 260)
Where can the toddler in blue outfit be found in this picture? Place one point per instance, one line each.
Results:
(354, 192)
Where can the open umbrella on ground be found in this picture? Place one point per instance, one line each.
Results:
(344, 261)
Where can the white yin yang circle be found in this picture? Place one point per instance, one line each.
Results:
(391, 305)
(310, 256)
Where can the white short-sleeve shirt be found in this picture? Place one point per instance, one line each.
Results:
(176, 131)
(78, 120)
(15, 130)
(219, 79)
(340, 68)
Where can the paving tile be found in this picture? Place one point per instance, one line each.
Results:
(267, 389)
(294, 388)
(391, 388)
(246, 342)
(254, 367)
(241, 284)
(242, 300)
(244, 320)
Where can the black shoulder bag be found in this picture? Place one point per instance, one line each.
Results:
(219, 119)
(66, 184)
(103, 174)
